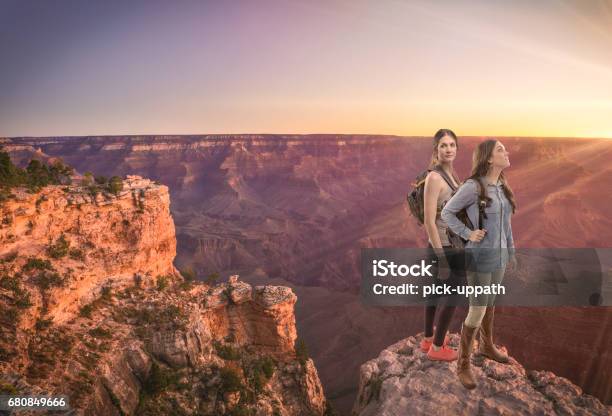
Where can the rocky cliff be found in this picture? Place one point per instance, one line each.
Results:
(92, 307)
(402, 380)
(300, 208)
(82, 242)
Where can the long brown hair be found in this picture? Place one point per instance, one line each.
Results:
(440, 134)
(480, 168)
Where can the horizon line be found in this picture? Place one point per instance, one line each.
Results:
(300, 134)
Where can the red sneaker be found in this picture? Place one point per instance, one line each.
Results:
(443, 354)
(426, 343)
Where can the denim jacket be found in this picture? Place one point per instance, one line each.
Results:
(498, 238)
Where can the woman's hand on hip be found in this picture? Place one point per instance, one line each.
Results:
(477, 235)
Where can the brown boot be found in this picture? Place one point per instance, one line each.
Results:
(463, 362)
(487, 347)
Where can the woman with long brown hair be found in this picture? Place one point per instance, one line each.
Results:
(440, 182)
(489, 203)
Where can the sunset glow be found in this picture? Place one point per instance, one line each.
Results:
(392, 67)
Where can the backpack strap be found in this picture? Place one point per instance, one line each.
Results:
(482, 203)
(445, 177)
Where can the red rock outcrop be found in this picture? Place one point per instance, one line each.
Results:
(188, 345)
(261, 316)
(109, 238)
(402, 380)
(92, 307)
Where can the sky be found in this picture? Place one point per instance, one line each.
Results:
(491, 67)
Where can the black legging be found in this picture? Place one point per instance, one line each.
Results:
(444, 319)
(446, 308)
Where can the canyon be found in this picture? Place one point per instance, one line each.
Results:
(94, 309)
(296, 210)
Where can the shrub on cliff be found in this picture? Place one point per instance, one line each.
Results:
(87, 179)
(9, 282)
(115, 185)
(35, 176)
(188, 274)
(161, 282)
(160, 379)
(61, 174)
(76, 254)
(93, 191)
(12, 316)
(22, 299)
(258, 372)
(59, 249)
(101, 180)
(100, 332)
(46, 280)
(39, 175)
(267, 366)
(227, 352)
(301, 351)
(86, 310)
(230, 380)
(34, 263)
(10, 175)
(42, 324)
(106, 293)
(5, 354)
(7, 388)
(264, 366)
